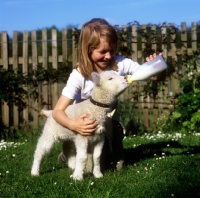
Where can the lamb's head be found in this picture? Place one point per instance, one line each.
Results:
(108, 86)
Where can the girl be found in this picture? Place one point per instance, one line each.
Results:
(97, 52)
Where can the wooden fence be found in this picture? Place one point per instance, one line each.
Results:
(29, 55)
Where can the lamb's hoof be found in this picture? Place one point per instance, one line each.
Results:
(71, 164)
(77, 177)
(36, 174)
(98, 175)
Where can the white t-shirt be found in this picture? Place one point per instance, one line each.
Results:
(79, 88)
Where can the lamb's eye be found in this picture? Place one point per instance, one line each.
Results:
(110, 78)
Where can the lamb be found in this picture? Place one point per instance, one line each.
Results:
(108, 86)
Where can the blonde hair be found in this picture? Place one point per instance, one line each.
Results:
(89, 40)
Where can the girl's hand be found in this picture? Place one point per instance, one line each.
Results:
(82, 126)
(151, 57)
(79, 125)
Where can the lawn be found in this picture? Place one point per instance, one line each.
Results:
(159, 166)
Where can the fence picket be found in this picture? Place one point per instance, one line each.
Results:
(15, 67)
(25, 116)
(194, 36)
(44, 88)
(54, 86)
(34, 103)
(134, 55)
(5, 108)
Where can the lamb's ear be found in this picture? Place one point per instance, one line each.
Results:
(96, 78)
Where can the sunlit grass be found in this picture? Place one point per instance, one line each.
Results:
(158, 165)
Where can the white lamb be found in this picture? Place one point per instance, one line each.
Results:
(108, 86)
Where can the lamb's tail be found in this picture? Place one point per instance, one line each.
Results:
(45, 112)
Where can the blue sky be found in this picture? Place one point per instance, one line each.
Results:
(30, 15)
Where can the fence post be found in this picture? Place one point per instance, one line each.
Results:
(134, 43)
(173, 41)
(64, 56)
(125, 95)
(34, 104)
(74, 47)
(15, 67)
(144, 40)
(153, 37)
(44, 49)
(183, 48)
(45, 88)
(25, 70)
(64, 47)
(141, 83)
(194, 37)
(150, 111)
(134, 57)
(184, 38)
(5, 108)
(164, 40)
(173, 85)
(54, 86)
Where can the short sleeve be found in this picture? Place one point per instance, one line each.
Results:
(73, 85)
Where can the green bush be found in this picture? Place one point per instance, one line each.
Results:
(14, 89)
(186, 115)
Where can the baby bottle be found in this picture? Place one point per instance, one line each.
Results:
(148, 69)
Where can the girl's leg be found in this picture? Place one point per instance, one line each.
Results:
(113, 158)
(118, 149)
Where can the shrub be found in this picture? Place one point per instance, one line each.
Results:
(14, 91)
(186, 115)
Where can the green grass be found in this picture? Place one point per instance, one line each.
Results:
(157, 166)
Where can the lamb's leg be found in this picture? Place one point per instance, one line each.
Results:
(81, 158)
(44, 145)
(96, 158)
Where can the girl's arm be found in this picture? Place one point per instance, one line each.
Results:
(128, 66)
(79, 124)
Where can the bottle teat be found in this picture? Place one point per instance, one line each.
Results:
(129, 79)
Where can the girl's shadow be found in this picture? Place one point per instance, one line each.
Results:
(133, 155)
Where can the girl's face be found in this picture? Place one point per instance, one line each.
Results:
(101, 56)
